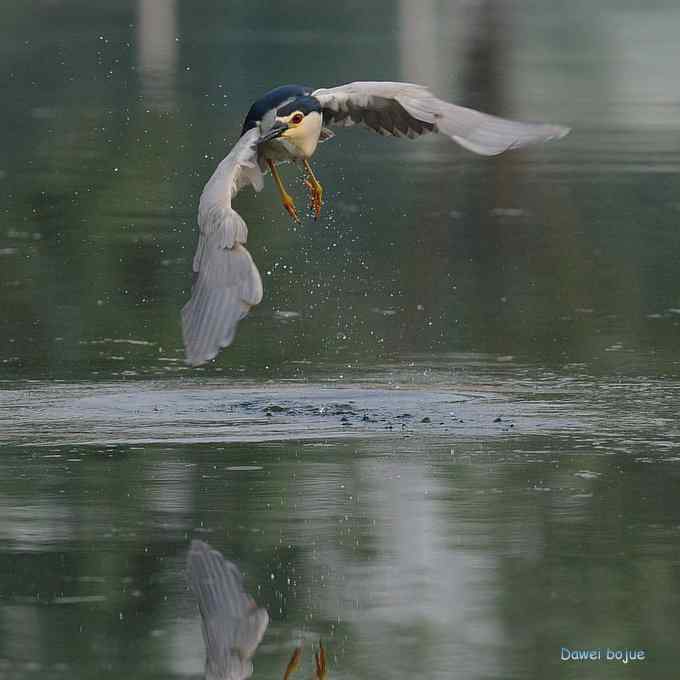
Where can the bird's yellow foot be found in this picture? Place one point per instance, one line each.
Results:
(285, 196)
(315, 190)
(315, 196)
(293, 663)
(320, 661)
(289, 205)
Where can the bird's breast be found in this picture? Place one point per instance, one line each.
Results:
(300, 142)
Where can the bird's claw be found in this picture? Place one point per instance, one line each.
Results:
(289, 205)
(293, 663)
(315, 197)
(319, 662)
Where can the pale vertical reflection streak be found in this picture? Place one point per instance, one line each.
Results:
(418, 42)
(421, 590)
(644, 55)
(157, 51)
(21, 627)
(30, 527)
(432, 39)
(168, 491)
(184, 647)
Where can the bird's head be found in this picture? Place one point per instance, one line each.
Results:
(297, 121)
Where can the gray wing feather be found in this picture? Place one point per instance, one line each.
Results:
(232, 624)
(226, 280)
(406, 109)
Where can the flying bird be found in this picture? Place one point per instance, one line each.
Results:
(286, 125)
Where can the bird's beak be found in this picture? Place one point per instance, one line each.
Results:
(276, 131)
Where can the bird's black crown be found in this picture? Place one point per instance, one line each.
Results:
(297, 96)
(305, 104)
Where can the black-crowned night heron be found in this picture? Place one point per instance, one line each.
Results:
(286, 125)
(233, 625)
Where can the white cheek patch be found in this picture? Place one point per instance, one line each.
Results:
(306, 135)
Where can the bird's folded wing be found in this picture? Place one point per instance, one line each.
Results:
(226, 280)
(406, 109)
(232, 624)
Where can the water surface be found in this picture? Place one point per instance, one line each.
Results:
(447, 440)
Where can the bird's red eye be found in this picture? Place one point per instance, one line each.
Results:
(297, 118)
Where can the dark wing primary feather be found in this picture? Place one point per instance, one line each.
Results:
(232, 624)
(227, 283)
(375, 105)
(406, 109)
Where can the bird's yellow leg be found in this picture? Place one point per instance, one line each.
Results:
(315, 190)
(285, 196)
(293, 663)
(320, 661)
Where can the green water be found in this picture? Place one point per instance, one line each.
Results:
(447, 440)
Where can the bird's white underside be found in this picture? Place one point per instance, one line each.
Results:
(298, 143)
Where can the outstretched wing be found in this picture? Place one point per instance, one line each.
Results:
(406, 109)
(232, 623)
(226, 281)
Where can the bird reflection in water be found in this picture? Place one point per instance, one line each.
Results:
(233, 625)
